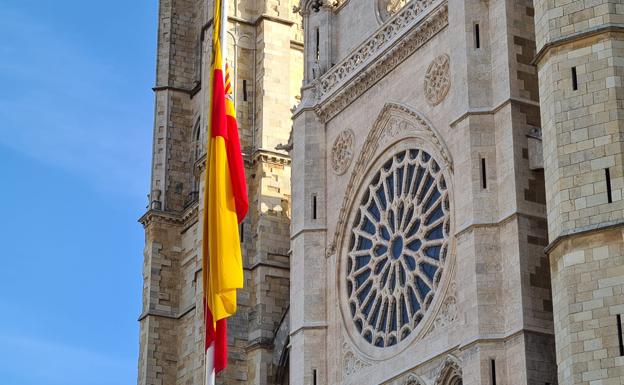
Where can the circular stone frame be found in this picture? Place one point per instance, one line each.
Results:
(365, 347)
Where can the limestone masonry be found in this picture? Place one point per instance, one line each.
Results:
(436, 193)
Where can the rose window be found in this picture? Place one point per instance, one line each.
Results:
(397, 248)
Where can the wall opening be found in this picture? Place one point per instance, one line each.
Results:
(483, 174)
(493, 369)
(244, 90)
(477, 35)
(574, 79)
(608, 179)
(619, 329)
(318, 45)
(314, 215)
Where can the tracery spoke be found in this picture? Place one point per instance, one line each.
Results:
(435, 224)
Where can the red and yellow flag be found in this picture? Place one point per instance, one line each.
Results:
(226, 204)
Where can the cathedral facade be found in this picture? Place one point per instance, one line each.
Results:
(443, 206)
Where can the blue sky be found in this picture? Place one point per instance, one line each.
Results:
(75, 138)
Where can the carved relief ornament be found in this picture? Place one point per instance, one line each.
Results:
(351, 364)
(342, 152)
(437, 80)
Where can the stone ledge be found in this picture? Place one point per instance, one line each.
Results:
(176, 219)
(608, 28)
(508, 218)
(493, 110)
(585, 230)
(162, 314)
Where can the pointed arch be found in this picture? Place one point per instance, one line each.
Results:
(450, 372)
(395, 122)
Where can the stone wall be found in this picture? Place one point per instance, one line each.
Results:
(421, 79)
(265, 50)
(580, 46)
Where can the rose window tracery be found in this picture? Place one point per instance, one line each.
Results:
(397, 247)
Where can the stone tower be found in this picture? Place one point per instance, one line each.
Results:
(581, 63)
(419, 207)
(265, 51)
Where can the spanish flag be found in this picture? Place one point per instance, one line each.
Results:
(225, 205)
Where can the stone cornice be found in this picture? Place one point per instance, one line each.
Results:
(493, 110)
(394, 42)
(572, 38)
(583, 231)
(171, 218)
(485, 225)
(254, 23)
(258, 156)
(163, 314)
(268, 156)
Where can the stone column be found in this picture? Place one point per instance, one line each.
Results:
(580, 59)
(308, 261)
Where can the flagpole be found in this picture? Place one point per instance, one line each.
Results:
(209, 358)
(210, 373)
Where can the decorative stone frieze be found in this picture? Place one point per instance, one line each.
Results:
(396, 41)
(437, 80)
(342, 152)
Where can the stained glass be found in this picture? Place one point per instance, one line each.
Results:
(397, 247)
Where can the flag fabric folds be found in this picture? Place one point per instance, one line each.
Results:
(225, 205)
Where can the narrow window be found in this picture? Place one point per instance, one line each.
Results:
(574, 79)
(493, 368)
(244, 90)
(314, 206)
(242, 232)
(477, 36)
(609, 192)
(619, 329)
(483, 174)
(318, 44)
(314, 376)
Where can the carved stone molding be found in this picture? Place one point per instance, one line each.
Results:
(396, 41)
(351, 363)
(394, 120)
(437, 80)
(342, 152)
(372, 46)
